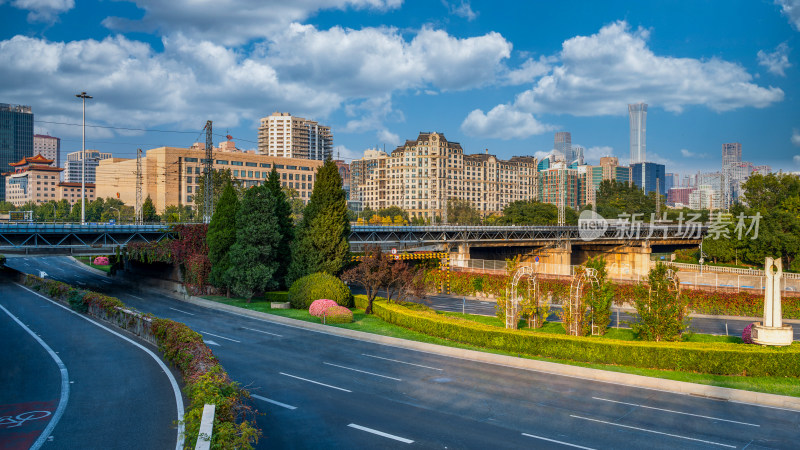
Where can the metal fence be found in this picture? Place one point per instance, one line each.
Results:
(690, 275)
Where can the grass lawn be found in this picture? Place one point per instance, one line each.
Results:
(371, 324)
(88, 261)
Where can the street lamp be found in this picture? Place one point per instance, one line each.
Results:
(119, 216)
(83, 96)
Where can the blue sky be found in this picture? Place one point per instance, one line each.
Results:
(502, 75)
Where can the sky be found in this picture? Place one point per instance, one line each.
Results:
(497, 75)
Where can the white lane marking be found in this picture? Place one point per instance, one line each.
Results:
(210, 342)
(261, 331)
(362, 371)
(274, 402)
(676, 412)
(181, 311)
(402, 362)
(107, 282)
(315, 382)
(557, 442)
(131, 295)
(763, 406)
(221, 337)
(381, 433)
(175, 389)
(653, 431)
(62, 401)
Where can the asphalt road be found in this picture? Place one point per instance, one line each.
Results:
(324, 391)
(95, 390)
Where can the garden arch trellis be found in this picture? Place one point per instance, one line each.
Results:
(513, 297)
(583, 277)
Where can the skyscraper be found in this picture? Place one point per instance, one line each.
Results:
(287, 136)
(75, 165)
(16, 138)
(563, 145)
(731, 159)
(49, 147)
(731, 154)
(638, 118)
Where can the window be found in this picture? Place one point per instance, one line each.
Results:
(188, 199)
(190, 159)
(265, 165)
(291, 167)
(251, 164)
(236, 163)
(291, 176)
(197, 180)
(222, 162)
(189, 189)
(236, 173)
(188, 170)
(283, 177)
(197, 170)
(279, 166)
(188, 180)
(249, 173)
(258, 174)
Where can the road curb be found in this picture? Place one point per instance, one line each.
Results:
(680, 387)
(89, 268)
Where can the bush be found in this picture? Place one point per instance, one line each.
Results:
(747, 336)
(713, 358)
(75, 299)
(101, 261)
(318, 307)
(316, 286)
(338, 314)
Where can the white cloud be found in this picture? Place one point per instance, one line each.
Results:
(791, 9)
(776, 62)
(43, 10)
(596, 152)
(462, 9)
(530, 70)
(600, 74)
(344, 153)
(796, 159)
(374, 112)
(796, 137)
(689, 154)
(232, 22)
(503, 122)
(389, 138)
(540, 155)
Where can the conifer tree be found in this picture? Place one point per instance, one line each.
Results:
(254, 255)
(321, 239)
(221, 236)
(148, 211)
(283, 212)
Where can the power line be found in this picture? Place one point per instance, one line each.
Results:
(116, 128)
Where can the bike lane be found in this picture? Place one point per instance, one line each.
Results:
(119, 397)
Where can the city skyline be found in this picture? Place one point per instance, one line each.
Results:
(384, 70)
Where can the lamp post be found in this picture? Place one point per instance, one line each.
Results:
(119, 215)
(83, 96)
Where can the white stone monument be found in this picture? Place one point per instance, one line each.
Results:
(772, 331)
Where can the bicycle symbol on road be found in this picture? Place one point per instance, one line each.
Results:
(19, 419)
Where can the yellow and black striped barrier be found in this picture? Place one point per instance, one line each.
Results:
(443, 257)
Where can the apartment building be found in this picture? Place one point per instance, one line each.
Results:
(33, 179)
(286, 136)
(71, 192)
(171, 175)
(559, 183)
(609, 169)
(49, 147)
(75, 166)
(421, 175)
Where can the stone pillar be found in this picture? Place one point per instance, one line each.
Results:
(461, 255)
(772, 331)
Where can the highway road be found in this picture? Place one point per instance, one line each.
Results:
(320, 390)
(66, 382)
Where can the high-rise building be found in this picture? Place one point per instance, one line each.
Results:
(559, 183)
(563, 145)
(731, 154)
(421, 175)
(609, 169)
(731, 159)
(705, 197)
(679, 196)
(669, 181)
(16, 138)
(286, 136)
(75, 165)
(638, 119)
(49, 147)
(577, 155)
(653, 175)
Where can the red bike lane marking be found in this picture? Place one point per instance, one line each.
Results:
(22, 423)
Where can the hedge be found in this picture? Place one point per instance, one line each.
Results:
(337, 314)
(712, 358)
(205, 379)
(316, 286)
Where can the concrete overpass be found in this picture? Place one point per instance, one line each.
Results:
(74, 239)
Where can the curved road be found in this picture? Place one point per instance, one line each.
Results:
(111, 393)
(320, 390)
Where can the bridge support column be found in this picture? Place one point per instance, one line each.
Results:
(630, 261)
(461, 255)
(556, 261)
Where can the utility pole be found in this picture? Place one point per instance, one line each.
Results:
(658, 198)
(208, 199)
(139, 186)
(83, 96)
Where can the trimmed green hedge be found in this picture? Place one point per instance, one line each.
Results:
(316, 286)
(712, 358)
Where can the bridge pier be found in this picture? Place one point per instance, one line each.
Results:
(460, 255)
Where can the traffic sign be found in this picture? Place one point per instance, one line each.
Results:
(394, 251)
(536, 260)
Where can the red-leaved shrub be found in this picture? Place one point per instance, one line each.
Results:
(318, 307)
(101, 261)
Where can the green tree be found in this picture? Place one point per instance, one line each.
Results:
(295, 203)
(321, 240)
(148, 211)
(366, 213)
(462, 212)
(6, 206)
(615, 198)
(254, 258)
(532, 212)
(598, 298)
(662, 309)
(393, 211)
(220, 238)
(283, 212)
(178, 213)
(62, 210)
(219, 179)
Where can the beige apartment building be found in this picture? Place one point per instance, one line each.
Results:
(33, 179)
(420, 175)
(171, 175)
(71, 192)
(287, 136)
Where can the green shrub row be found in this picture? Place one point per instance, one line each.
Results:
(205, 379)
(316, 286)
(712, 358)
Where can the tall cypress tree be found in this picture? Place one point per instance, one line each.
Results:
(221, 236)
(283, 211)
(321, 239)
(254, 255)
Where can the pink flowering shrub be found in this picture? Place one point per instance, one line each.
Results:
(746, 334)
(101, 261)
(338, 314)
(318, 307)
